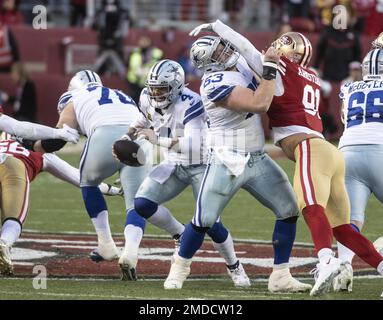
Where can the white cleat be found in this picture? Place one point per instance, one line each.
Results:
(128, 264)
(239, 276)
(6, 267)
(343, 281)
(324, 275)
(378, 244)
(178, 273)
(106, 251)
(282, 281)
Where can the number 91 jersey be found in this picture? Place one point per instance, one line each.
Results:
(299, 104)
(362, 113)
(97, 106)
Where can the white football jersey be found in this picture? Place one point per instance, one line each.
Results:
(185, 118)
(97, 106)
(240, 131)
(362, 113)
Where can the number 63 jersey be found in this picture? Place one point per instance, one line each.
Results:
(362, 113)
(297, 109)
(97, 106)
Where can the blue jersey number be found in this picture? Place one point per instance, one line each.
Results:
(105, 96)
(373, 111)
(213, 79)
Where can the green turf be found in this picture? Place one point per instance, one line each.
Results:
(57, 207)
(153, 290)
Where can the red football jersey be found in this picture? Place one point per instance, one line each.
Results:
(299, 105)
(33, 161)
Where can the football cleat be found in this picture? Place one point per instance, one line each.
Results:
(282, 281)
(324, 275)
(343, 281)
(128, 264)
(378, 244)
(238, 275)
(178, 273)
(6, 267)
(105, 252)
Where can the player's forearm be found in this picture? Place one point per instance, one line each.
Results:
(27, 130)
(61, 169)
(262, 97)
(243, 45)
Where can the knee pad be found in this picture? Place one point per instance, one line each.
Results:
(145, 207)
(200, 229)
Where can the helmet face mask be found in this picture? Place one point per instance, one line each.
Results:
(165, 82)
(295, 47)
(211, 54)
(372, 65)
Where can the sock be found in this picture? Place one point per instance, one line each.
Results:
(94, 201)
(133, 218)
(164, 220)
(10, 232)
(344, 253)
(319, 226)
(226, 250)
(133, 236)
(325, 255)
(362, 247)
(283, 240)
(191, 241)
(101, 225)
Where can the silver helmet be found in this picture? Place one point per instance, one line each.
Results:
(165, 82)
(206, 54)
(83, 78)
(372, 65)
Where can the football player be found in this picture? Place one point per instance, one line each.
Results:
(18, 167)
(103, 115)
(362, 147)
(178, 119)
(319, 179)
(233, 100)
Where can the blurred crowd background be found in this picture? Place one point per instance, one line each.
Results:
(122, 39)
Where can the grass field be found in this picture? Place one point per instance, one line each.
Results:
(57, 207)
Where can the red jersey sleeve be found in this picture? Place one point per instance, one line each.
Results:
(299, 105)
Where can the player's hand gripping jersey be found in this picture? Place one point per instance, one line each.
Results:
(185, 119)
(302, 85)
(362, 113)
(239, 130)
(33, 161)
(97, 106)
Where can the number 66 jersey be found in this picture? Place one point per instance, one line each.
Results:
(362, 113)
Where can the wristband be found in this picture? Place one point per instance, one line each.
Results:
(165, 142)
(269, 70)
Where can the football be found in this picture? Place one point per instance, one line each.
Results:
(129, 153)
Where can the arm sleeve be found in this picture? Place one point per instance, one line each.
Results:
(27, 130)
(61, 169)
(251, 54)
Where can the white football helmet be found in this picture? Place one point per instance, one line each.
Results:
(83, 78)
(165, 82)
(206, 54)
(372, 65)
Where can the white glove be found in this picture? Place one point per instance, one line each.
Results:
(202, 27)
(109, 190)
(148, 134)
(68, 134)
